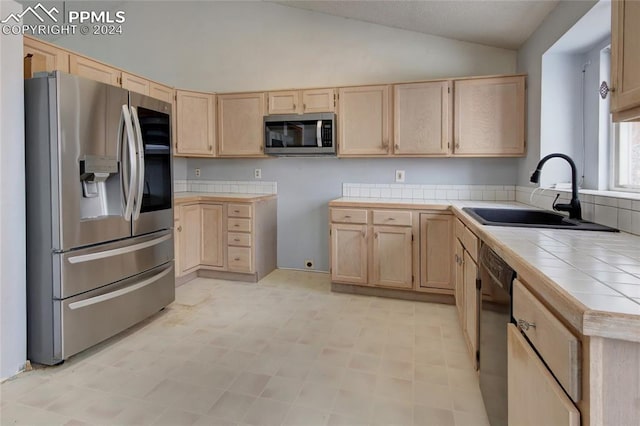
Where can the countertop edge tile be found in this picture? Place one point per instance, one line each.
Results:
(193, 197)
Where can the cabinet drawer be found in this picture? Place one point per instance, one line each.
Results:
(470, 242)
(239, 210)
(239, 259)
(391, 217)
(348, 215)
(239, 239)
(559, 348)
(236, 224)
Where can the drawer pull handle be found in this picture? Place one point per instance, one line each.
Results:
(347, 216)
(391, 218)
(525, 325)
(237, 259)
(236, 239)
(236, 225)
(236, 211)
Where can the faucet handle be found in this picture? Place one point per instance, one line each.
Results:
(555, 202)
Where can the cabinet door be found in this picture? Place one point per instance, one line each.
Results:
(162, 92)
(459, 280)
(135, 83)
(421, 114)
(391, 262)
(190, 217)
(93, 70)
(195, 117)
(471, 305)
(177, 240)
(212, 247)
(240, 124)
(436, 239)
(625, 54)
(318, 100)
(349, 253)
(535, 398)
(286, 102)
(489, 117)
(364, 121)
(55, 58)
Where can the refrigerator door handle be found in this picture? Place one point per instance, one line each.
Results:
(128, 178)
(116, 252)
(140, 156)
(118, 293)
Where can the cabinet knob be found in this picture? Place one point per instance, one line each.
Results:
(180, 228)
(457, 146)
(294, 106)
(210, 148)
(375, 235)
(397, 147)
(525, 325)
(304, 106)
(364, 234)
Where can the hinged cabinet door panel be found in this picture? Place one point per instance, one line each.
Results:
(625, 55)
(422, 123)
(93, 70)
(349, 253)
(435, 252)
(535, 398)
(318, 100)
(195, 123)
(392, 257)
(364, 121)
(55, 59)
(212, 249)
(471, 305)
(241, 125)
(190, 217)
(489, 116)
(286, 102)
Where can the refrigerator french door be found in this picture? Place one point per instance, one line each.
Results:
(96, 264)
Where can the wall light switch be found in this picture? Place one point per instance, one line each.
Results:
(399, 175)
(257, 173)
(197, 172)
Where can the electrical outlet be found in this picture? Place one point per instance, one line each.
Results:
(257, 173)
(399, 175)
(308, 264)
(197, 172)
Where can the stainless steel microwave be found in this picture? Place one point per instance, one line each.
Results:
(307, 134)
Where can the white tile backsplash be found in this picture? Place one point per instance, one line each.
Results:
(220, 186)
(430, 192)
(610, 209)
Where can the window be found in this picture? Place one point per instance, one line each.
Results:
(626, 170)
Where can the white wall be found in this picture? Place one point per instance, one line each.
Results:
(563, 17)
(13, 317)
(242, 46)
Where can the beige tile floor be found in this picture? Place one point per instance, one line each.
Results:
(284, 351)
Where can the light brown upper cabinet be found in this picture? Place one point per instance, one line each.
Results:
(135, 84)
(364, 121)
(422, 118)
(94, 70)
(489, 117)
(625, 59)
(55, 58)
(162, 92)
(240, 124)
(195, 122)
(302, 101)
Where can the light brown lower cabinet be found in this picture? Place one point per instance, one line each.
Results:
(392, 257)
(349, 253)
(470, 305)
(190, 222)
(226, 237)
(436, 237)
(458, 274)
(212, 249)
(535, 398)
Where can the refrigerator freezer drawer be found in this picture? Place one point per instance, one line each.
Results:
(95, 316)
(94, 267)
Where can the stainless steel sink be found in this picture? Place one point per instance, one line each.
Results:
(531, 219)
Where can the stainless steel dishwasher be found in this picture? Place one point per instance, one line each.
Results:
(496, 278)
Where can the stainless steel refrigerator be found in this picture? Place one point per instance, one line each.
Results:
(99, 212)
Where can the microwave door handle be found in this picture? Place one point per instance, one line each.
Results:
(129, 174)
(140, 157)
(319, 133)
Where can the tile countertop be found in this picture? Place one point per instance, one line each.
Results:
(193, 197)
(591, 279)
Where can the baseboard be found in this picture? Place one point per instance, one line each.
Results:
(415, 296)
(225, 275)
